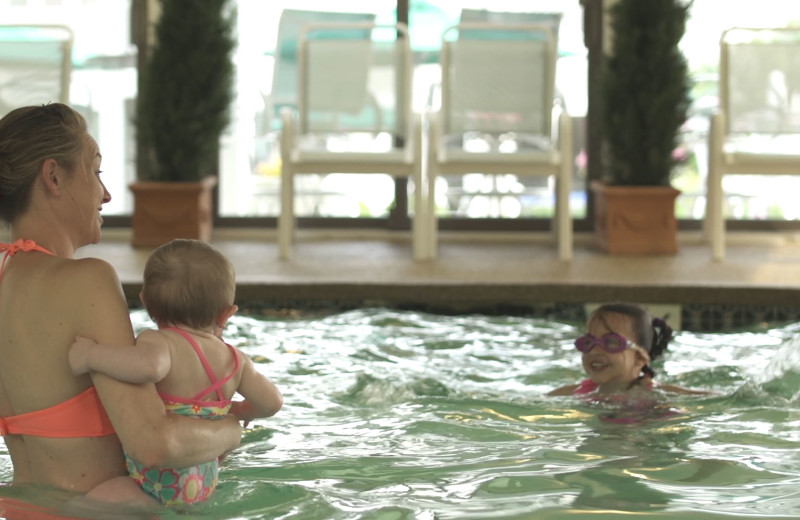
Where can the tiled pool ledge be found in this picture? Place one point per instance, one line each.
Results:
(759, 282)
(771, 309)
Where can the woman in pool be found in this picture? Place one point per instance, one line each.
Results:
(56, 429)
(621, 342)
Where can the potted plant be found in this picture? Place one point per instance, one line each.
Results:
(183, 106)
(645, 94)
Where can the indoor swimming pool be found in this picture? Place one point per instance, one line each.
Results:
(397, 415)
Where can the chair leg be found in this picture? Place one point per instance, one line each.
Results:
(286, 217)
(432, 223)
(419, 228)
(431, 170)
(433, 219)
(564, 189)
(715, 221)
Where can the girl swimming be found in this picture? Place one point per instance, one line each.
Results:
(621, 342)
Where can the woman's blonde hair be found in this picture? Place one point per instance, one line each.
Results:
(29, 136)
(188, 282)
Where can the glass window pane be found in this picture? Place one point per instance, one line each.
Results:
(267, 69)
(478, 195)
(103, 81)
(747, 197)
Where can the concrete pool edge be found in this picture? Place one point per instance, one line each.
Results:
(703, 308)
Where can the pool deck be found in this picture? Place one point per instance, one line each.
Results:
(480, 270)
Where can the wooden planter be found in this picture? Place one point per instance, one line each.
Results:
(635, 220)
(164, 211)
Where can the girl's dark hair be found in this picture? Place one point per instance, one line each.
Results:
(652, 333)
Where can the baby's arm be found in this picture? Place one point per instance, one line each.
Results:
(147, 362)
(261, 397)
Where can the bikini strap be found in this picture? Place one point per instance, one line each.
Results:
(17, 246)
(216, 385)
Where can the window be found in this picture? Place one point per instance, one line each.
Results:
(103, 86)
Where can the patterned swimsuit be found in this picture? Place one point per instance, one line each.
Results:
(194, 484)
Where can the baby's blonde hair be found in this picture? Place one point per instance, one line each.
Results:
(188, 282)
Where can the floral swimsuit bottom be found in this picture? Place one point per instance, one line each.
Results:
(194, 484)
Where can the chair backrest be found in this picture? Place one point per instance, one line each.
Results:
(552, 20)
(35, 65)
(355, 77)
(292, 23)
(760, 80)
(498, 78)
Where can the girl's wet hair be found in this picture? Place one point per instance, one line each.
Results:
(651, 333)
(29, 136)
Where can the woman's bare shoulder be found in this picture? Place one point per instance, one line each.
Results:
(88, 276)
(91, 297)
(90, 268)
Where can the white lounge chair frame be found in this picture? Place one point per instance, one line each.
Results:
(285, 88)
(35, 65)
(332, 76)
(759, 95)
(507, 82)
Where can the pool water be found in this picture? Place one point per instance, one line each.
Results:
(405, 415)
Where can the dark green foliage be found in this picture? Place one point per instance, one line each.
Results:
(186, 90)
(645, 91)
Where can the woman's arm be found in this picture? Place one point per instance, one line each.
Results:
(154, 437)
(148, 433)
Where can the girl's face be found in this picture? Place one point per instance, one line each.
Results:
(613, 371)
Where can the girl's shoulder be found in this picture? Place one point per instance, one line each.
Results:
(564, 390)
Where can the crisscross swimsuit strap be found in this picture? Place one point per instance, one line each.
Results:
(216, 385)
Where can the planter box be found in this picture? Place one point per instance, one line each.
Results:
(635, 220)
(164, 211)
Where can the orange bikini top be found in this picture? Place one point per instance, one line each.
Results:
(80, 416)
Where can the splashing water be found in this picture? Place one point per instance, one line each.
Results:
(406, 415)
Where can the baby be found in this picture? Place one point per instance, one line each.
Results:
(188, 291)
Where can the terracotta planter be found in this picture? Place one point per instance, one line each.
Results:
(167, 210)
(635, 219)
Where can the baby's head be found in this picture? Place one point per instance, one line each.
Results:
(649, 335)
(188, 282)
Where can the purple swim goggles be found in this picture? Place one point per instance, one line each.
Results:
(611, 343)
